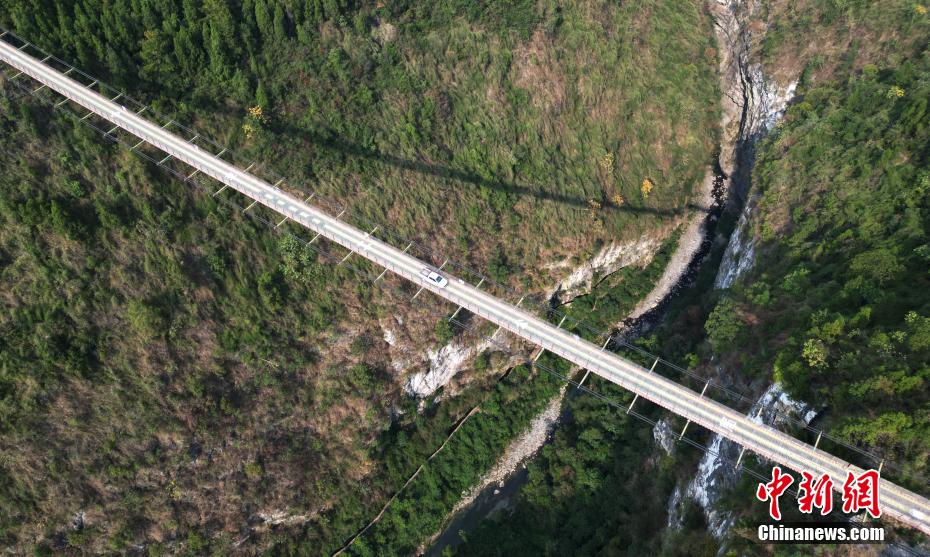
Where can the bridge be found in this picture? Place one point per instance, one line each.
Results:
(897, 502)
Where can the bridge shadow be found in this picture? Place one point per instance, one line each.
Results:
(336, 143)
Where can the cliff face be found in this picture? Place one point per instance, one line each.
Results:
(751, 106)
(751, 102)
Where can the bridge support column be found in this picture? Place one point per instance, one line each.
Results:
(819, 435)
(630, 407)
(587, 372)
(739, 458)
(221, 190)
(683, 430)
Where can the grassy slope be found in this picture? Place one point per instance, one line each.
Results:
(171, 370)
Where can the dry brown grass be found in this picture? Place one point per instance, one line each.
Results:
(536, 68)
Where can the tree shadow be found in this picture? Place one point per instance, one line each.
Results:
(334, 142)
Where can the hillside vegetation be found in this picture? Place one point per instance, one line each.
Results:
(836, 306)
(176, 379)
(511, 133)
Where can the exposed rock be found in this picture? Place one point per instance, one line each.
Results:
(664, 436)
(443, 365)
(390, 337)
(609, 259)
(275, 518)
(752, 105)
(688, 249)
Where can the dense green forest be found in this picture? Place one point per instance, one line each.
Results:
(173, 375)
(836, 305)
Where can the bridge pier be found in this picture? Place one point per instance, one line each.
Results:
(740, 458)
(630, 407)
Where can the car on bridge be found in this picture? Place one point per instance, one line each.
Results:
(434, 278)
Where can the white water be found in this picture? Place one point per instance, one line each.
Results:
(716, 471)
(739, 255)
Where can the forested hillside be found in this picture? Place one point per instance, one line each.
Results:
(176, 379)
(530, 122)
(836, 305)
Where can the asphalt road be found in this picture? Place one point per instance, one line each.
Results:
(896, 502)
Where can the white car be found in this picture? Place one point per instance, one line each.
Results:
(434, 278)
